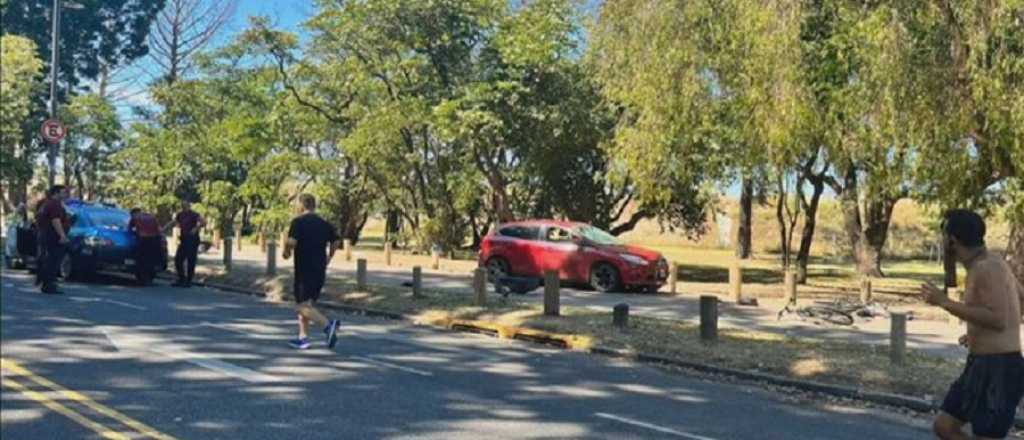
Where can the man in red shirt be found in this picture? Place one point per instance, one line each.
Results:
(189, 224)
(52, 223)
(147, 239)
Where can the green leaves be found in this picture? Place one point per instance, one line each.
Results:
(19, 81)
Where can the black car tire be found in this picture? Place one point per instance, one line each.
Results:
(497, 268)
(605, 278)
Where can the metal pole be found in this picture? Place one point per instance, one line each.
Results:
(54, 67)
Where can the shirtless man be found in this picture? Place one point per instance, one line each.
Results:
(988, 391)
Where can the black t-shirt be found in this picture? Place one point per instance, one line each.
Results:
(312, 235)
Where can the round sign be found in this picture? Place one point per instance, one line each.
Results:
(53, 131)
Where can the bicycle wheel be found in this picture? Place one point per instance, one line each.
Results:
(827, 314)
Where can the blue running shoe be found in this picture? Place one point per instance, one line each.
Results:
(332, 332)
(299, 344)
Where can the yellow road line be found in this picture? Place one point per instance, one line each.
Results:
(103, 431)
(141, 428)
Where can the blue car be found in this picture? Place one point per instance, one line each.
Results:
(100, 242)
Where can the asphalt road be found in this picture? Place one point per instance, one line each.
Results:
(110, 359)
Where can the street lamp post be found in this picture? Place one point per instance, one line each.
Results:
(54, 67)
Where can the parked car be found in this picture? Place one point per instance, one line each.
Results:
(580, 253)
(100, 242)
(19, 243)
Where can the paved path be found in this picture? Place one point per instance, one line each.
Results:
(171, 363)
(938, 338)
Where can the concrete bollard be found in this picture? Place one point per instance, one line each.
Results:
(435, 259)
(708, 318)
(417, 282)
(271, 259)
(898, 339)
(361, 274)
(790, 282)
(865, 290)
(347, 245)
(552, 301)
(736, 282)
(480, 287)
(227, 254)
(673, 277)
(620, 316)
(387, 254)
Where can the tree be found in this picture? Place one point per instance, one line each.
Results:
(655, 70)
(183, 29)
(978, 162)
(106, 33)
(19, 81)
(94, 134)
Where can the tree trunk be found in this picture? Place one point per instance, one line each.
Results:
(743, 239)
(784, 231)
(1015, 250)
(874, 233)
(807, 235)
(851, 213)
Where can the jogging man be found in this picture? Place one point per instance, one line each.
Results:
(147, 248)
(310, 236)
(991, 386)
(189, 223)
(52, 223)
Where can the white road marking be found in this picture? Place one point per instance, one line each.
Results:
(651, 426)
(128, 343)
(112, 301)
(391, 365)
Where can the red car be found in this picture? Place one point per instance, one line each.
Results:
(582, 254)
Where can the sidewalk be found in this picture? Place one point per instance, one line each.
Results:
(934, 337)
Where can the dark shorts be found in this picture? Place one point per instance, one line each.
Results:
(987, 393)
(309, 282)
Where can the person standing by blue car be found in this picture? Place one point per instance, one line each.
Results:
(147, 244)
(52, 224)
(189, 223)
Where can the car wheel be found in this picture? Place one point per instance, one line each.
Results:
(605, 278)
(497, 268)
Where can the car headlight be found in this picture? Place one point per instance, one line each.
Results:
(634, 260)
(98, 242)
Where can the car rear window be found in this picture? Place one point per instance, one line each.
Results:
(521, 232)
(108, 219)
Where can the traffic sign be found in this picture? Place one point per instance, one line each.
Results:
(53, 131)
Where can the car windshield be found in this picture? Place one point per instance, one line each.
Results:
(109, 219)
(597, 236)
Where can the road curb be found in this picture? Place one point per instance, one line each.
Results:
(575, 342)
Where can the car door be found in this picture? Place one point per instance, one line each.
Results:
(514, 244)
(558, 252)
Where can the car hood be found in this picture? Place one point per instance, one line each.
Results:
(646, 254)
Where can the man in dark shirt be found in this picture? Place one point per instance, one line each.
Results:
(310, 236)
(189, 224)
(147, 248)
(52, 223)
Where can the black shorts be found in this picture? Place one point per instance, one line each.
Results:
(987, 393)
(309, 282)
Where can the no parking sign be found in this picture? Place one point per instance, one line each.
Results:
(53, 131)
